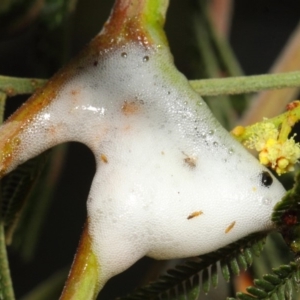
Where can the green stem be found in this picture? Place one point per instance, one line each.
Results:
(246, 84)
(68, 8)
(284, 122)
(48, 289)
(6, 288)
(2, 106)
(34, 213)
(227, 61)
(221, 109)
(12, 86)
(5, 5)
(222, 47)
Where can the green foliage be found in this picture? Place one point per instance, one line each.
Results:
(216, 57)
(56, 11)
(19, 190)
(14, 13)
(49, 289)
(278, 285)
(6, 289)
(16, 188)
(286, 216)
(189, 279)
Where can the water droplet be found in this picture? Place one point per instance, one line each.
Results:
(203, 135)
(185, 102)
(215, 144)
(211, 132)
(230, 151)
(124, 54)
(199, 103)
(266, 201)
(145, 58)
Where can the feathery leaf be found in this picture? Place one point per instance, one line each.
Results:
(185, 278)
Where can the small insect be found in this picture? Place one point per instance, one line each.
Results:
(195, 214)
(104, 158)
(230, 227)
(190, 160)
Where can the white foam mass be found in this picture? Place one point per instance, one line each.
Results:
(170, 182)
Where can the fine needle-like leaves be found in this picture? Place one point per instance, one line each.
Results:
(184, 279)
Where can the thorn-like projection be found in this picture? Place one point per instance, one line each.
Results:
(124, 99)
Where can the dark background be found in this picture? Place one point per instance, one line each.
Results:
(258, 32)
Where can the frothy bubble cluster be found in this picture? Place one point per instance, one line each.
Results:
(161, 156)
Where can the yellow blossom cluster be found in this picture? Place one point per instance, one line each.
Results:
(279, 154)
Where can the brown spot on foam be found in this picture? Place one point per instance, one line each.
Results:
(191, 161)
(126, 128)
(75, 92)
(195, 214)
(229, 228)
(52, 130)
(130, 108)
(104, 158)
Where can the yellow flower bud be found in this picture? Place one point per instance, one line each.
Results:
(238, 130)
(283, 163)
(263, 158)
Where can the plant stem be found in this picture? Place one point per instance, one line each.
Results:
(223, 50)
(221, 109)
(271, 103)
(205, 87)
(284, 121)
(83, 280)
(221, 12)
(12, 86)
(34, 212)
(48, 289)
(2, 106)
(6, 288)
(245, 84)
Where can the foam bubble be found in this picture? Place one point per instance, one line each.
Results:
(132, 111)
